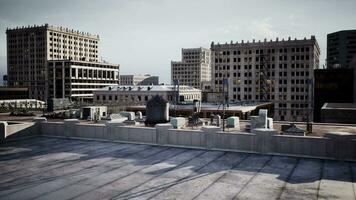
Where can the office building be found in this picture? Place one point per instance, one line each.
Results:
(77, 80)
(194, 69)
(279, 71)
(124, 95)
(29, 48)
(341, 49)
(333, 85)
(139, 80)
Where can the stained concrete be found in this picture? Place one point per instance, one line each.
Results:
(53, 168)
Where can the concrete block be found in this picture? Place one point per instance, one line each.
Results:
(343, 143)
(100, 132)
(139, 115)
(184, 138)
(210, 132)
(196, 139)
(3, 126)
(131, 123)
(123, 134)
(39, 119)
(38, 127)
(69, 127)
(292, 129)
(117, 118)
(270, 123)
(110, 128)
(130, 115)
(178, 122)
(172, 137)
(233, 122)
(263, 140)
(59, 129)
(162, 133)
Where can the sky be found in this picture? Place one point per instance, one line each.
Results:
(144, 36)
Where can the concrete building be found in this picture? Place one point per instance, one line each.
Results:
(77, 80)
(29, 48)
(333, 85)
(341, 49)
(194, 69)
(343, 113)
(279, 71)
(139, 80)
(13, 93)
(139, 95)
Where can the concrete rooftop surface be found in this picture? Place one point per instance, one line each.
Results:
(53, 168)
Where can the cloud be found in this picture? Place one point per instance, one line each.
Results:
(263, 28)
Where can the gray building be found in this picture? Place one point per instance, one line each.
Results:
(129, 95)
(279, 71)
(341, 49)
(77, 80)
(29, 48)
(194, 69)
(139, 80)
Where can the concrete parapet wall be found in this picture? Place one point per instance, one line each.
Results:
(302, 146)
(259, 141)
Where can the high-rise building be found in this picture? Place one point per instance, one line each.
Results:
(29, 48)
(341, 49)
(76, 80)
(276, 71)
(139, 80)
(194, 69)
(334, 85)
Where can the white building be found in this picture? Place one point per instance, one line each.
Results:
(194, 69)
(139, 80)
(77, 80)
(29, 48)
(139, 95)
(280, 71)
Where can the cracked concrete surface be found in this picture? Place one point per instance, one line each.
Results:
(53, 168)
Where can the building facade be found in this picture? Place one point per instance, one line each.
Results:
(139, 80)
(77, 80)
(29, 48)
(341, 49)
(276, 71)
(123, 95)
(194, 69)
(333, 85)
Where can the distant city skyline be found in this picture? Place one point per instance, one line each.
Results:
(144, 36)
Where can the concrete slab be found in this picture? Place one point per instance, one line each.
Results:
(52, 168)
(336, 182)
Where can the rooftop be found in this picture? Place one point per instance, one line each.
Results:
(152, 88)
(52, 168)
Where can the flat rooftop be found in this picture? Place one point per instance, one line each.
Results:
(53, 168)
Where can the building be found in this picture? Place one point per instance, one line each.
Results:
(77, 80)
(194, 69)
(139, 95)
(13, 93)
(343, 113)
(139, 80)
(13, 104)
(275, 71)
(243, 111)
(333, 85)
(29, 48)
(341, 49)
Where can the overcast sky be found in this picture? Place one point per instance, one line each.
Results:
(143, 36)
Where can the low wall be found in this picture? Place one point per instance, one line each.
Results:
(14, 130)
(259, 141)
